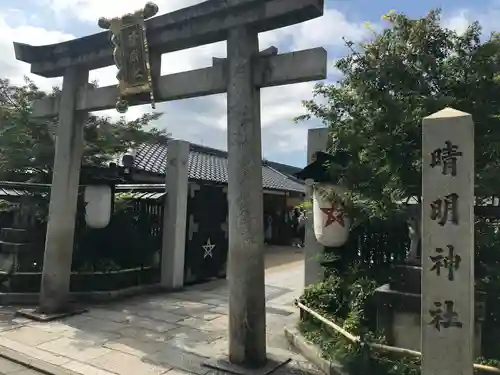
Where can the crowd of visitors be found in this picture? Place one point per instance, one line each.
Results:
(286, 228)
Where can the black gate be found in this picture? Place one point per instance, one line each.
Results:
(206, 233)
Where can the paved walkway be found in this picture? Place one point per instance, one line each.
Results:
(12, 368)
(162, 334)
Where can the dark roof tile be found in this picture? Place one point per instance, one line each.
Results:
(208, 164)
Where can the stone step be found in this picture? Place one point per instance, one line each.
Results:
(406, 278)
(14, 235)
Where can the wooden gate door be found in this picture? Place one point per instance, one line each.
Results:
(206, 233)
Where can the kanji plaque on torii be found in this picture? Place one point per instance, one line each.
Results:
(241, 75)
(131, 54)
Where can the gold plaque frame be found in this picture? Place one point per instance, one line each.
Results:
(131, 55)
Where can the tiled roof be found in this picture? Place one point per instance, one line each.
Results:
(289, 170)
(208, 164)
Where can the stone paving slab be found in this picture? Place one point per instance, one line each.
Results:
(170, 334)
(12, 368)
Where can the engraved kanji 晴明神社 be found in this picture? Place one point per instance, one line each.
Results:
(445, 209)
(450, 262)
(446, 157)
(444, 316)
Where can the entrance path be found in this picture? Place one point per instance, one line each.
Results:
(171, 333)
(8, 367)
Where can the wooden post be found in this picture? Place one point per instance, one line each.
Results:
(63, 196)
(247, 313)
(447, 243)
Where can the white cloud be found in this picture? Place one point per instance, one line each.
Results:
(327, 31)
(460, 19)
(24, 33)
(91, 10)
(200, 119)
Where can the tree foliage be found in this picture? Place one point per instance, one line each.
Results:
(409, 70)
(27, 144)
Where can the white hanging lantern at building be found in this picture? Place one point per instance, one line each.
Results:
(98, 200)
(331, 226)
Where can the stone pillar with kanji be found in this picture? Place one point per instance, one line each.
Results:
(447, 299)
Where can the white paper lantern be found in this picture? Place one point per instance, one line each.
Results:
(97, 205)
(331, 227)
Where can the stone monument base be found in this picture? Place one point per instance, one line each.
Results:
(398, 310)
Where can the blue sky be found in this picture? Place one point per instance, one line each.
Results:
(202, 120)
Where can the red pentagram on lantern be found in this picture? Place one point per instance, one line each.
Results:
(333, 215)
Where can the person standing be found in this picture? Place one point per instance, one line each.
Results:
(294, 222)
(268, 234)
(288, 227)
(298, 227)
(301, 228)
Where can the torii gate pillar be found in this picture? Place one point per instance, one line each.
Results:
(247, 310)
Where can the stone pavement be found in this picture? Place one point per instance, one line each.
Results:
(172, 333)
(12, 368)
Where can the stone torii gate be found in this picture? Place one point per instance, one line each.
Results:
(242, 74)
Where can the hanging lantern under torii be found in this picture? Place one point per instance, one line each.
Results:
(98, 205)
(330, 223)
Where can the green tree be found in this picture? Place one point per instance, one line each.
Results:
(389, 83)
(27, 144)
(409, 70)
